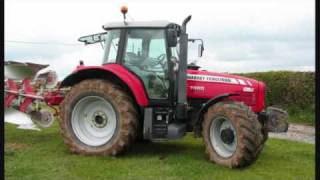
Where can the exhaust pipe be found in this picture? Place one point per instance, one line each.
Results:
(181, 108)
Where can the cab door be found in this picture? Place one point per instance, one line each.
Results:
(145, 54)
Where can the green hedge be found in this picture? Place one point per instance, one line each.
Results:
(294, 91)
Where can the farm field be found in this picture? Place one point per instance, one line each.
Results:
(43, 155)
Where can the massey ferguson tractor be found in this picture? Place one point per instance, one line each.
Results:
(146, 90)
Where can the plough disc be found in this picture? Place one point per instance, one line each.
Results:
(44, 118)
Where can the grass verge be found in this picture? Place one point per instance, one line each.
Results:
(43, 155)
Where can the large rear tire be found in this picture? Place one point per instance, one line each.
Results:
(232, 134)
(98, 118)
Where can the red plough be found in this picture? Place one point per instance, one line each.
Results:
(32, 92)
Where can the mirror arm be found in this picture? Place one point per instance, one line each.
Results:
(101, 45)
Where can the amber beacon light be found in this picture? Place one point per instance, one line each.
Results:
(124, 10)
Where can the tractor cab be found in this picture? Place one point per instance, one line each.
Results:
(155, 52)
(150, 50)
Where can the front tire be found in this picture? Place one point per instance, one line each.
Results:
(232, 134)
(97, 118)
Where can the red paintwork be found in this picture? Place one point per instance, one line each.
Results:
(27, 89)
(53, 98)
(260, 97)
(13, 87)
(207, 90)
(198, 87)
(10, 96)
(127, 77)
(195, 88)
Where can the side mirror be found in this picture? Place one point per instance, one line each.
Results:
(200, 50)
(86, 39)
(172, 38)
(200, 46)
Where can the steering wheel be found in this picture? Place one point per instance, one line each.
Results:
(161, 58)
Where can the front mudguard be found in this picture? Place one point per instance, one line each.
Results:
(274, 119)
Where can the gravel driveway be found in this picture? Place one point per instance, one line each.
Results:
(297, 132)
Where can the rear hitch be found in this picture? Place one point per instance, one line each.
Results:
(274, 119)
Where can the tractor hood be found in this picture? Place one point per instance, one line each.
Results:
(206, 85)
(206, 76)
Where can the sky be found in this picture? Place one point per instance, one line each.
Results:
(239, 35)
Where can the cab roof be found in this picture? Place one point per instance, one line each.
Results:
(139, 24)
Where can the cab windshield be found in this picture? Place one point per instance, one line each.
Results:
(111, 41)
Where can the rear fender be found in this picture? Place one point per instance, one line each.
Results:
(112, 72)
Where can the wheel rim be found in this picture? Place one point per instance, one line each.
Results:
(93, 120)
(223, 137)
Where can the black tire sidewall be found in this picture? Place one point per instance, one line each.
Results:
(242, 119)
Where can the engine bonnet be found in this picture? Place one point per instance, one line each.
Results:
(224, 78)
(206, 85)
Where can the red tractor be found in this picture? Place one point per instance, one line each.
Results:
(145, 90)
